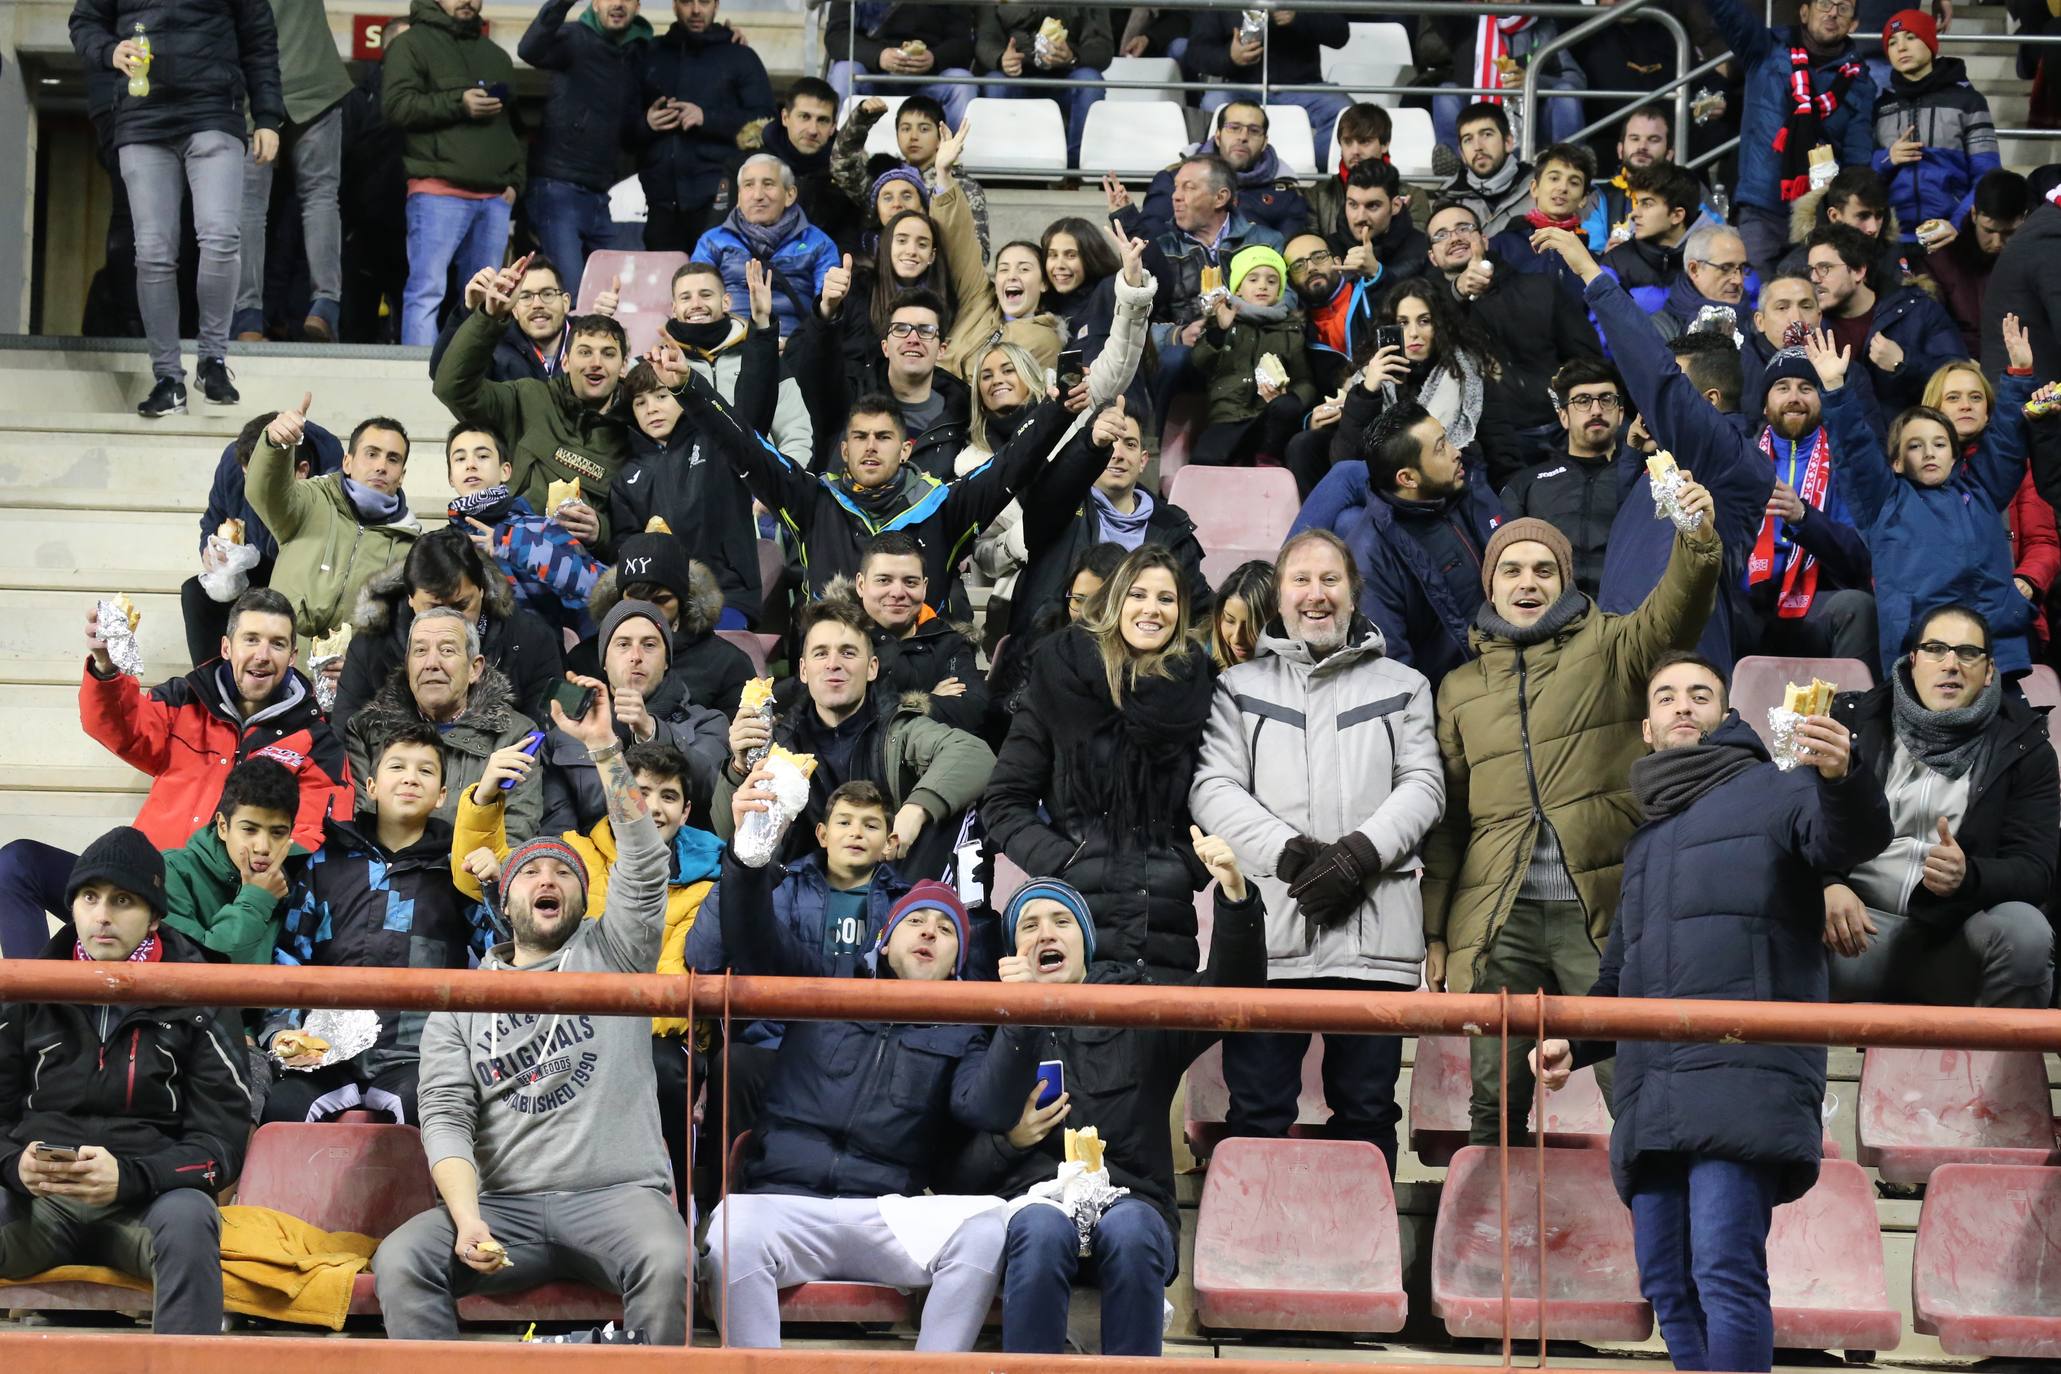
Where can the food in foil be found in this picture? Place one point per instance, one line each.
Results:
(336, 1036)
(1668, 481)
(1784, 721)
(758, 834)
(118, 619)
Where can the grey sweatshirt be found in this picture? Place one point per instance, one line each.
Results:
(558, 1103)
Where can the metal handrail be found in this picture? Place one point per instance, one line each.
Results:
(1527, 139)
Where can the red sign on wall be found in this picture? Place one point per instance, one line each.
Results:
(368, 36)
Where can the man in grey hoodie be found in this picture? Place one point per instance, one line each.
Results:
(542, 1131)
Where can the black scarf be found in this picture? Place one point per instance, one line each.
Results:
(1127, 767)
(1949, 741)
(489, 505)
(1675, 779)
(1803, 128)
(1558, 617)
(704, 339)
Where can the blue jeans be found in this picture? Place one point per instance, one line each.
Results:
(1324, 108)
(1132, 1264)
(1075, 102)
(844, 75)
(33, 876)
(570, 222)
(443, 232)
(1700, 1229)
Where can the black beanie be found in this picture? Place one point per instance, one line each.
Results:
(125, 857)
(655, 557)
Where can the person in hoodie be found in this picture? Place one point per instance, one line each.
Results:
(1719, 900)
(1661, 207)
(1288, 49)
(446, 568)
(535, 342)
(917, 650)
(655, 568)
(1266, 191)
(1328, 818)
(542, 1131)
(575, 158)
(1122, 1082)
(376, 894)
(1252, 416)
(1934, 137)
(1899, 332)
(723, 347)
(697, 88)
(225, 887)
(546, 567)
(1493, 182)
(153, 1099)
(800, 134)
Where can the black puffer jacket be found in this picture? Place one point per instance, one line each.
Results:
(163, 1089)
(593, 90)
(726, 79)
(1579, 498)
(1536, 327)
(715, 670)
(207, 58)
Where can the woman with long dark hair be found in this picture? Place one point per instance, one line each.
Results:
(905, 258)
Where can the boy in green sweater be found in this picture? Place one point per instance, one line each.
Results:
(224, 888)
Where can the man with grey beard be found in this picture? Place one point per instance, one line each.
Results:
(1327, 817)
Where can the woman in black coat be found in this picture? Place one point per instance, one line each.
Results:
(1106, 743)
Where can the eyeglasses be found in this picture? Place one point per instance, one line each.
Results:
(1458, 231)
(1725, 269)
(1321, 258)
(1967, 655)
(1607, 400)
(1834, 6)
(1823, 269)
(902, 329)
(546, 296)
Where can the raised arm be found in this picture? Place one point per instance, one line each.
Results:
(633, 925)
(462, 381)
(1674, 613)
(1745, 30)
(1867, 481)
(281, 500)
(1998, 465)
(771, 477)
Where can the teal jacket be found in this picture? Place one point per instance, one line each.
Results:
(208, 901)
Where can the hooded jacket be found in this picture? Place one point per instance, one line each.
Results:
(186, 735)
(1229, 357)
(429, 69)
(1764, 52)
(209, 59)
(1721, 900)
(573, 796)
(516, 642)
(934, 651)
(1266, 195)
(356, 905)
(207, 901)
(327, 552)
(1320, 748)
(1548, 733)
(163, 1089)
(593, 93)
(1958, 136)
(489, 722)
(556, 435)
(714, 669)
(821, 199)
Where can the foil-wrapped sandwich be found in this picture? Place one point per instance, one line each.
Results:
(118, 619)
(1668, 483)
(1798, 705)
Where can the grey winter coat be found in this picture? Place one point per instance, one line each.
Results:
(489, 722)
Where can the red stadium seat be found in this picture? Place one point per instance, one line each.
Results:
(1239, 513)
(1576, 1116)
(646, 295)
(754, 646)
(2042, 686)
(1592, 1278)
(1209, 1099)
(1921, 1108)
(1988, 1256)
(1008, 877)
(1825, 1267)
(337, 1176)
(1758, 680)
(1299, 1235)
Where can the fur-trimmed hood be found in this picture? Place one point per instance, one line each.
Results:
(1803, 217)
(700, 608)
(381, 601)
(489, 713)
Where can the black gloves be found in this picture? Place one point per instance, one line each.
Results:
(1332, 885)
(1297, 855)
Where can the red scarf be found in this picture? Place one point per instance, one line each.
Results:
(1492, 43)
(149, 952)
(1803, 128)
(1539, 219)
(1800, 578)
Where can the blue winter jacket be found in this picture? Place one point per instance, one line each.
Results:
(1959, 138)
(1933, 545)
(226, 500)
(1722, 900)
(799, 265)
(1921, 327)
(1765, 51)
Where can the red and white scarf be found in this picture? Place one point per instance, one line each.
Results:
(150, 951)
(1800, 578)
(1491, 44)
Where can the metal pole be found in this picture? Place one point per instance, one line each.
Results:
(1527, 140)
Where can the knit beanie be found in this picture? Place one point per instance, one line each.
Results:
(1518, 531)
(544, 847)
(1918, 24)
(125, 857)
(629, 609)
(1257, 255)
(656, 557)
(902, 173)
(1791, 364)
(1051, 890)
(930, 895)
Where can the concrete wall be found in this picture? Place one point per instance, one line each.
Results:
(17, 190)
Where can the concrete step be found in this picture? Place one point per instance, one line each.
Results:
(42, 636)
(102, 552)
(68, 820)
(40, 729)
(113, 381)
(110, 776)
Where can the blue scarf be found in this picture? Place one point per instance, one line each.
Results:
(373, 508)
(697, 856)
(1117, 527)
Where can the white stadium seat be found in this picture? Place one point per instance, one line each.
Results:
(1410, 149)
(1016, 135)
(1142, 69)
(1375, 55)
(1134, 141)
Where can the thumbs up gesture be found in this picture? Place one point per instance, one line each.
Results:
(1946, 864)
(1109, 425)
(1012, 58)
(289, 426)
(837, 284)
(607, 301)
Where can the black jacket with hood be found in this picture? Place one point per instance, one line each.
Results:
(713, 669)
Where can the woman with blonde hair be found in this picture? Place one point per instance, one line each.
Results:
(1091, 785)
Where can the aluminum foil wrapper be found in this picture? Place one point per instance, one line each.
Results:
(1042, 50)
(1082, 1195)
(1667, 501)
(1783, 724)
(1716, 319)
(122, 647)
(349, 1033)
(758, 834)
(325, 685)
(1252, 25)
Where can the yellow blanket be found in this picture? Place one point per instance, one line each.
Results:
(273, 1265)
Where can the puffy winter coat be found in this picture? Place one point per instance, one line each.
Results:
(489, 722)
(1319, 748)
(429, 69)
(207, 59)
(1549, 733)
(327, 553)
(593, 93)
(1958, 136)
(1765, 52)
(1229, 358)
(798, 266)
(681, 169)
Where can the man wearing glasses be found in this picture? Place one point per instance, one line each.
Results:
(534, 343)
(1778, 128)
(1901, 331)
(1949, 914)
(1579, 496)
(1714, 275)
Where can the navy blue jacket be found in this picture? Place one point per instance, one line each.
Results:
(1719, 450)
(1722, 900)
(1403, 594)
(593, 92)
(515, 357)
(1921, 327)
(729, 83)
(226, 500)
(864, 1109)
(1765, 51)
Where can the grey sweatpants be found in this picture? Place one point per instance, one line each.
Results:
(157, 177)
(315, 152)
(2002, 957)
(628, 1239)
(175, 1241)
(778, 1240)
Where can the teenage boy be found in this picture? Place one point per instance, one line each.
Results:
(919, 651)
(1663, 200)
(549, 569)
(377, 894)
(1364, 132)
(223, 889)
(1559, 187)
(920, 129)
(1934, 138)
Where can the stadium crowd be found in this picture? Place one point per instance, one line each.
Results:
(1469, 729)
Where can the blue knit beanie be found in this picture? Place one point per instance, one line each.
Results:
(1052, 890)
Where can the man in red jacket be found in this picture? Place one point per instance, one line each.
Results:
(187, 733)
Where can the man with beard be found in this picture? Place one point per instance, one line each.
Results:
(1328, 818)
(1903, 333)
(698, 88)
(1788, 311)
(572, 428)
(1962, 262)
(800, 135)
(542, 1132)
(1809, 579)
(577, 154)
(1378, 241)
(1266, 190)
(1492, 181)
(1719, 901)
(1364, 132)
(1661, 205)
(1646, 142)
(535, 341)
(1287, 51)
(1579, 496)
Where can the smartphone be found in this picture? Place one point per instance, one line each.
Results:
(1051, 1082)
(499, 90)
(1388, 336)
(58, 1154)
(1071, 369)
(529, 748)
(575, 699)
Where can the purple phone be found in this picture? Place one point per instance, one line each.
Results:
(529, 747)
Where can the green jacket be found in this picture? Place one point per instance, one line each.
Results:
(1229, 357)
(311, 71)
(325, 552)
(208, 901)
(555, 436)
(428, 70)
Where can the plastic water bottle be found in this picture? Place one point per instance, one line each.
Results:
(139, 80)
